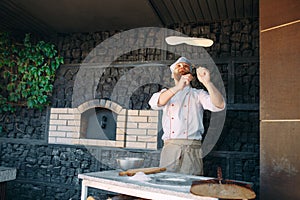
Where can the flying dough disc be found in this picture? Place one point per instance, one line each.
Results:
(175, 40)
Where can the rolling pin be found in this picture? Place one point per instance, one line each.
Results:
(150, 170)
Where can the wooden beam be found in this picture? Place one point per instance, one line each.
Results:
(239, 9)
(230, 9)
(213, 10)
(221, 5)
(205, 9)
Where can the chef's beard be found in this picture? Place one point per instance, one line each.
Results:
(185, 73)
(178, 75)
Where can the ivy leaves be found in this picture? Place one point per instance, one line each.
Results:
(27, 73)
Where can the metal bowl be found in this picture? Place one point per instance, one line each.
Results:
(130, 163)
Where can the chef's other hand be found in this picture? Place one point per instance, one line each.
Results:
(203, 75)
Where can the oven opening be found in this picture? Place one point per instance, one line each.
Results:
(98, 123)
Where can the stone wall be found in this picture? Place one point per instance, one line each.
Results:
(25, 124)
(232, 38)
(47, 171)
(50, 171)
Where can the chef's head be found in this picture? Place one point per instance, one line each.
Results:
(181, 66)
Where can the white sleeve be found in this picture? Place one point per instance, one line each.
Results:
(153, 102)
(206, 102)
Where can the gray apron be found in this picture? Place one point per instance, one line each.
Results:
(182, 156)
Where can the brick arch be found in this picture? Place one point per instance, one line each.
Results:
(103, 103)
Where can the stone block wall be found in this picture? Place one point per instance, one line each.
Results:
(26, 124)
(232, 38)
(49, 171)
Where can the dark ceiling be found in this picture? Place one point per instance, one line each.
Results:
(68, 16)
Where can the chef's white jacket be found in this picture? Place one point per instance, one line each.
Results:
(183, 114)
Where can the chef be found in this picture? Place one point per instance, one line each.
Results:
(182, 119)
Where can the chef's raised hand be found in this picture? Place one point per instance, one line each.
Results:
(203, 75)
(216, 97)
(165, 96)
(184, 81)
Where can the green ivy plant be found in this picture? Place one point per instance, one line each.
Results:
(27, 73)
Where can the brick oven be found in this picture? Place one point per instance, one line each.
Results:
(134, 128)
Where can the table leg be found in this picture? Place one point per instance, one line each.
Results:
(2, 190)
(84, 190)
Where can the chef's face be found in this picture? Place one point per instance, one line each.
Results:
(182, 68)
